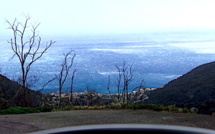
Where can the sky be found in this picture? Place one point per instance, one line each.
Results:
(109, 16)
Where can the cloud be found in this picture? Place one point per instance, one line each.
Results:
(123, 50)
(197, 47)
(108, 73)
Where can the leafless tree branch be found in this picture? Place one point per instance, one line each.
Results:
(64, 72)
(126, 74)
(27, 54)
(27, 50)
(46, 84)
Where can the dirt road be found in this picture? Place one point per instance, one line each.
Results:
(41, 121)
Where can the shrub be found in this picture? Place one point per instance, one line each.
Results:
(19, 110)
(45, 108)
(114, 107)
(68, 108)
(172, 108)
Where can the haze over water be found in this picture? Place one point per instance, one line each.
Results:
(158, 58)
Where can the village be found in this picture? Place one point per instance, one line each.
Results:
(89, 98)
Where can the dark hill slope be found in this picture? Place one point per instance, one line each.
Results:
(11, 94)
(196, 88)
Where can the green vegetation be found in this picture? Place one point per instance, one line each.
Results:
(47, 108)
(170, 108)
(25, 110)
(19, 110)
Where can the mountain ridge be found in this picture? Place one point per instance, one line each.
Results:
(193, 89)
(12, 94)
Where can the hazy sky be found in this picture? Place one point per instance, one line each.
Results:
(99, 16)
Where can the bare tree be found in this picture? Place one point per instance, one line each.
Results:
(71, 87)
(64, 72)
(126, 76)
(118, 82)
(46, 84)
(108, 85)
(90, 94)
(27, 48)
(141, 86)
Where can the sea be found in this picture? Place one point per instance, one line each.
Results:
(157, 58)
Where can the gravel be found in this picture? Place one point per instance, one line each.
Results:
(25, 123)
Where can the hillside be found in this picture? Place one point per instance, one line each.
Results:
(194, 89)
(11, 94)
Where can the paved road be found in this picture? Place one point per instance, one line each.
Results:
(41, 121)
